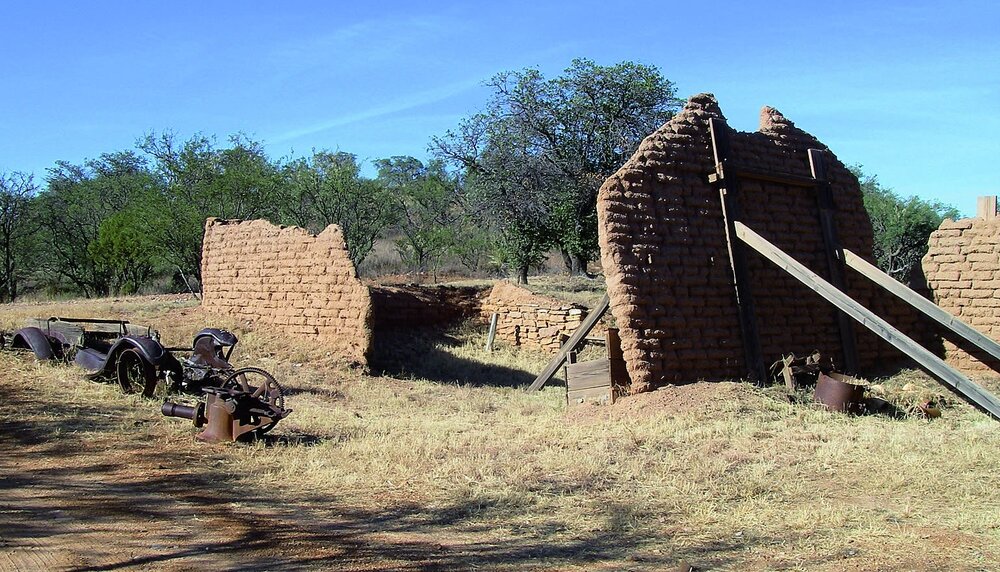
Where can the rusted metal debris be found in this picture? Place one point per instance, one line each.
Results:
(239, 403)
(250, 403)
(833, 389)
(838, 393)
(798, 372)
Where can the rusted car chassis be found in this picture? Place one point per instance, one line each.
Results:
(240, 403)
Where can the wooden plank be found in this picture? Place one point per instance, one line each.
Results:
(834, 255)
(619, 372)
(747, 173)
(929, 308)
(935, 365)
(731, 213)
(570, 344)
(986, 207)
(589, 374)
(491, 336)
(598, 395)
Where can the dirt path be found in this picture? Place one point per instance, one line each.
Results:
(90, 485)
(77, 492)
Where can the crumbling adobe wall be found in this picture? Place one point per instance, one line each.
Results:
(664, 253)
(962, 268)
(285, 277)
(527, 319)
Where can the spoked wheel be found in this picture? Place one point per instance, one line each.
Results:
(135, 374)
(260, 385)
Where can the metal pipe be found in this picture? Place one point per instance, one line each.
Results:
(195, 413)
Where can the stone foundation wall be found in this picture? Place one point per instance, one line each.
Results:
(301, 284)
(527, 319)
(962, 268)
(665, 257)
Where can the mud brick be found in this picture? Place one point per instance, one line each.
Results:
(677, 262)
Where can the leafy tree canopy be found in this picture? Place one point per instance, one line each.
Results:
(203, 180)
(327, 188)
(77, 202)
(540, 151)
(902, 225)
(17, 228)
(428, 213)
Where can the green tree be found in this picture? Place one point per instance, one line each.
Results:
(572, 132)
(507, 187)
(75, 205)
(428, 214)
(16, 230)
(127, 249)
(203, 180)
(327, 188)
(902, 226)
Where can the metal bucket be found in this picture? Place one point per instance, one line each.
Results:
(837, 393)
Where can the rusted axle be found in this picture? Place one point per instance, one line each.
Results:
(196, 413)
(228, 414)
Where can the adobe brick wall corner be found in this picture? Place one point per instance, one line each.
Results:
(664, 253)
(285, 277)
(529, 320)
(962, 268)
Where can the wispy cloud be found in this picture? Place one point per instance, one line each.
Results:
(408, 102)
(358, 44)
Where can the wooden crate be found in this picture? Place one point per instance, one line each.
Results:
(596, 381)
(589, 382)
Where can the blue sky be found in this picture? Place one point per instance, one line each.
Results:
(911, 90)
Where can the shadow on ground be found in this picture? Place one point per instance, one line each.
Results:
(413, 353)
(73, 485)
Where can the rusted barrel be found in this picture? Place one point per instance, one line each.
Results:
(837, 393)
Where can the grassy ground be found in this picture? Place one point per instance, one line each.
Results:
(445, 462)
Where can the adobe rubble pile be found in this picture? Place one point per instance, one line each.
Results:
(530, 320)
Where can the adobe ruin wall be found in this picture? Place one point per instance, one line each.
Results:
(285, 277)
(530, 320)
(665, 257)
(962, 268)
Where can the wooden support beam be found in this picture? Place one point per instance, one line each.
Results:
(492, 335)
(731, 212)
(754, 175)
(929, 308)
(986, 207)
(935, 365)
(834, 255)
(570, 345)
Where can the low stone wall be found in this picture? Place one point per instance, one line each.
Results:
(304, 285)
(962, 267)
(527, 319)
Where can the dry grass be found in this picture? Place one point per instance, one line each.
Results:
(726, 477)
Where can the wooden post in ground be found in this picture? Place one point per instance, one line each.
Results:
(986, 207)
(493, 331)
(728, 184)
